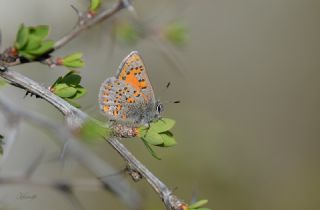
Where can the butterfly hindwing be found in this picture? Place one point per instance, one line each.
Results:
(116, 98)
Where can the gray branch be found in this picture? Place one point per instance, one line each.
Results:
(89, 22)
(166, 195)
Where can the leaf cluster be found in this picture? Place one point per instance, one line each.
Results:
(31, 42)
(68, 87)
(73, 60)
(158, 134)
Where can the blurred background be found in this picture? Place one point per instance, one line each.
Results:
(248, 77)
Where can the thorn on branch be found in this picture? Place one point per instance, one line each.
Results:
(29, 93)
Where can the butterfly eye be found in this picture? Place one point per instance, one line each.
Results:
(159, 108)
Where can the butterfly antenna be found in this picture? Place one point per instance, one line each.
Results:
(165, 89)
(172, 102)
(168, 84)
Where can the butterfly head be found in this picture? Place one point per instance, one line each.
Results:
(151, 113)
(159, 109)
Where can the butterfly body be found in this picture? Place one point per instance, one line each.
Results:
(128, 97)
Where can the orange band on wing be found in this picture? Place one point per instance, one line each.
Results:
(106, 108)
(132, 80)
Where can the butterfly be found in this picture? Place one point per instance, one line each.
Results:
(128, 97)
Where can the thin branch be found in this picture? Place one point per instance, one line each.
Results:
(89, 22)
(166, 195)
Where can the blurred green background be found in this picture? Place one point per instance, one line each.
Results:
(248, 122)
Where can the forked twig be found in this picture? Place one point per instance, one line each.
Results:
(89, 22)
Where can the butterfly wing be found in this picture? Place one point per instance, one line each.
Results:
(117, 98)
(129, 97)
(133, 71)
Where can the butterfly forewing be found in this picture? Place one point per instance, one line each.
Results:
(133, 71)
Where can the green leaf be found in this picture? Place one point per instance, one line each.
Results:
(162, 125)
(150, 149)
(57, 82)
(69, 73)
(168, 139)
(64, 91)
(72, 57)
(94, 5)
(74, 64)
(72, 102)
(59, 86)
(142, 131)
(68, 88)
(22, 37)
(34, 43)
(72, 79)
(40, 31)
(198, 204)
(153, 138)
(45, 47)
(93, 129)
(26, 55)
(81, 91)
